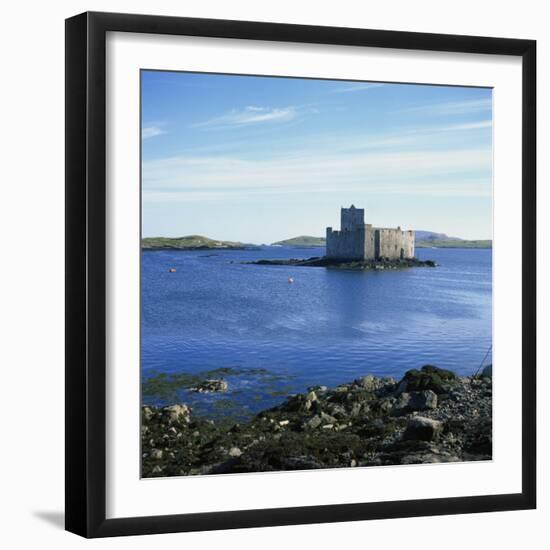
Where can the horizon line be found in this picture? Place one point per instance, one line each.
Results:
(296, 236)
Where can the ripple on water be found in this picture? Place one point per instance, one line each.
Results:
(326, 328)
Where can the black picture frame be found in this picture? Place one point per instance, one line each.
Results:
(86, 274)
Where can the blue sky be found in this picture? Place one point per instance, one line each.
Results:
(259, 159)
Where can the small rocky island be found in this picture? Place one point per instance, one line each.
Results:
(430, 415)
(358, 245)
(324, 261)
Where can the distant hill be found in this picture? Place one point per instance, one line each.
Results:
(422, 235)
(302, 241)
(454, 243)
(190, 242)
(424, 239)
(430, 239)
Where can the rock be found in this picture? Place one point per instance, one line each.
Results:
(227, 467)
(423, 400)
(327, 418)
(386, 405)
(375, 428)
(156, 454)
(235, 452)
(401, 404)
(175, 413)
(313, 422)
(337, 410)
(318, 389)
(428, 458)
(415, 401)
(401, 387)
(422, 428)
(487, 372)
(147, 413)
(157, 470)
(355, 410)
(427, 378)
(367, 382)
(316, 407)
(300, 463)
(211, 386)
(295, 403)
(311, 396)
(284, 422)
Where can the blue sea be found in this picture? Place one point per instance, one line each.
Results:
(326, 327)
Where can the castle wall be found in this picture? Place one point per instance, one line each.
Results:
(395, 243)
(408, 243)
(346, 245)
(369, 242)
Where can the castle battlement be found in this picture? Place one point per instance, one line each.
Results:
(359, 241)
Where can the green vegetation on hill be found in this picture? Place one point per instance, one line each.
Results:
(303, 240)
(190, 242)
(422, 235)
(194, 242)
(454, 244)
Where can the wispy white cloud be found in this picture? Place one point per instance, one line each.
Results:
(358, 87)
(415, 173)
(460, 188)
(427, 160)
(452, 108)
(470, 125)
(151, 131)
(250, 115)
(430, 133)
(407, 138)
(419, 136)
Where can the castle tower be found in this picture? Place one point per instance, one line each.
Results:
(352, 218)
(349, 242)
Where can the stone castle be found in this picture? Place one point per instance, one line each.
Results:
(359, 241)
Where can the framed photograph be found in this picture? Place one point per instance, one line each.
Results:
(300, 274)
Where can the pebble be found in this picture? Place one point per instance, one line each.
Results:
(235, 452)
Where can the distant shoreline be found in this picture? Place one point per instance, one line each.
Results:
(192, 242)
(433, 241)
(199, 242)
(199, 248)
(462, 246)
(478, 244)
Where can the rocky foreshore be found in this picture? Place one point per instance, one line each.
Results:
(323, 261)
(430, 415)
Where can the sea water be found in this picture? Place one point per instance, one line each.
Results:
(278, 330)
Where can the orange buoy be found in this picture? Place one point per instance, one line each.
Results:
(172, 270)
